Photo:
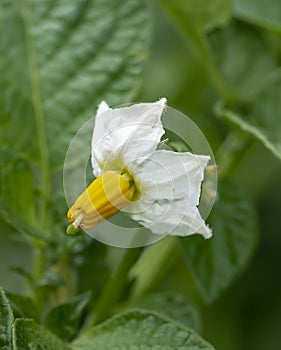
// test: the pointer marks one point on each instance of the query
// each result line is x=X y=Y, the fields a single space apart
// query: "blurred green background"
x=248 y=314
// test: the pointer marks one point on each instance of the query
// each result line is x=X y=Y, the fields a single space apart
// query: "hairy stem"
x=45 y=183
x=199 y=46
x=116 y=285
x=232 y=152
x=157 y=260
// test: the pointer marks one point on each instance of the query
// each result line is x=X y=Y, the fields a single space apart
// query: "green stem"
x=67 y=290
x=116 y=285
x=231 y=153
x=45 y=182
x=157 y=260
x=199 y=46
x=39 y=116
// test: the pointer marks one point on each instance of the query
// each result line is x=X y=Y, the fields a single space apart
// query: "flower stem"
x=157 y=260
x=232 y=152
x=199 y=46
x=62 y=269
x=116 y=285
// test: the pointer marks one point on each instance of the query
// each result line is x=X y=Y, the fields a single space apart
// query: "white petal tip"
x=103 y=106
x=207 y=233
x=203 y=159
x=162 y=101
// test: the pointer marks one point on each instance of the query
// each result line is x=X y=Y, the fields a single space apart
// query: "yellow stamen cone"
x=104 y=197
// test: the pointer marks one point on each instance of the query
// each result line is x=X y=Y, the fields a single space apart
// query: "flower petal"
x=170 y=186
x=124 y=134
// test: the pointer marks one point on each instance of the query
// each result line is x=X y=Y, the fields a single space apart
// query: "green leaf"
x=265 y=13
x=72 y=56
x=23 y=306
x=6 y=320
x=244 y=58
x=18 y=223
x=58 y=61
x=261 y=119
x=139 y=329
x=17 y=130
x=174 y=306
x=64 y=319
x=17 y=185
x=216 y=262
x=17 y=193
x=28 y=335
x=202 y=15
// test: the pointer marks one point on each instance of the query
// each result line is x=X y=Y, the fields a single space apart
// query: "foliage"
x=217 y=262
x=220 y=62
x=138 y=329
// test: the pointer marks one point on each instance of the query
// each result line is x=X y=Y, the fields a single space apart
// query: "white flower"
x=160 y=189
